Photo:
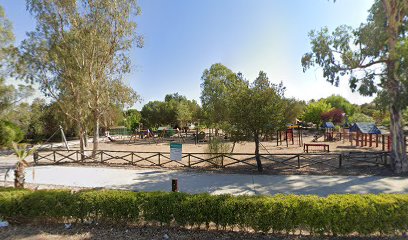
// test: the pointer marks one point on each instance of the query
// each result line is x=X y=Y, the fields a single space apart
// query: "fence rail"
x=280 y=161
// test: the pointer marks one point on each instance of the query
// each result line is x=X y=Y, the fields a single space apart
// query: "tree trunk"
x=96 y=135
x=86 y=138
x=19 y=175
x=398 y=150
x=81 y=144
x=393 y=86
x=233 y=146
x=257 y=156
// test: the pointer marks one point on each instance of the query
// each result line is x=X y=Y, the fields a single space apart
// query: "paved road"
x=214 y=183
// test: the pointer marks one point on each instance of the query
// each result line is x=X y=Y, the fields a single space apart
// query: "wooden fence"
x=316 y=161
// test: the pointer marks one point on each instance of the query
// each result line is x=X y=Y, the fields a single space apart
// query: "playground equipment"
x=289 y=136
x=165 y=132
x=63 y=138
x=329 y=131
x=118 y=132
x=362 y=133
x=145 y=134
x=368 y=134
x=161 y=134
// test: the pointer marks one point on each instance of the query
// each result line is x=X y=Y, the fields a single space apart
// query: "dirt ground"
x=85 y=232
x=163 y=145
x=323 y=164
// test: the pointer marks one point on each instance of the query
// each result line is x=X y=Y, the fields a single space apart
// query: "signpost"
x=176 y=152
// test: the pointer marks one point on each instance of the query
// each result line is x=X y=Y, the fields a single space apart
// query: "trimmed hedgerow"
x=335 y=214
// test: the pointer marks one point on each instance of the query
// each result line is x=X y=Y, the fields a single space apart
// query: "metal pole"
x=63 y=138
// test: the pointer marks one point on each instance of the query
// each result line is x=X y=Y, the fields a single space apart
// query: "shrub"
x=214 y=148
x=335 y=214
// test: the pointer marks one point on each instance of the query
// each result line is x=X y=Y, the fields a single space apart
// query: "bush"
x=335 y=214
x=9 y=133
x=215 y=147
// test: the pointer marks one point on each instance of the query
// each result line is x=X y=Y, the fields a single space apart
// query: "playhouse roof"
x=366 y=128
x=328 y=125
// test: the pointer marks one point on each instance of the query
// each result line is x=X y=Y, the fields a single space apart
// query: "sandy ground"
x=158 y=145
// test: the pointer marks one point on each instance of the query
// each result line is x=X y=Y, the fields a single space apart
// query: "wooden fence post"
x=159 y=159
x=131 y=158
x=35 y=157
x=54 y=156
x=189 y=162
x=376 y=140
x=383 y=142
x=298 y=159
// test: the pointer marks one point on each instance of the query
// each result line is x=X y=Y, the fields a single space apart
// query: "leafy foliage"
x=133 y=118
x=9 y=133
x=215 y=147
x=175 y=110
x=78 y=54
x=216 y=84
x=314 y=110
x=339 y=102
x=22 y=151
x=373 y=58
x=333 y=215
x=335 y=115
x=360 y=117
x=293 y=109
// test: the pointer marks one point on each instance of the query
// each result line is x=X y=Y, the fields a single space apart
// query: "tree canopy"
x=314 y=110
x=372 y=57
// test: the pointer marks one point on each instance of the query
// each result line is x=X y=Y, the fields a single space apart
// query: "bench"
x=314 y=145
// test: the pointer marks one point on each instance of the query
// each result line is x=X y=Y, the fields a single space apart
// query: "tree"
x=339 y=102
x=254 y=109
x=78 y=55
x=175 y=110
x=335 y=115
x=175 y=96
x=293 y=109
x=22 y=152
x=36 y=125
x=9 y=94
x=9 y=133
x=360 y=117
x=215 y=86
x=132 y=119
x=314 y=110
x=369 y=56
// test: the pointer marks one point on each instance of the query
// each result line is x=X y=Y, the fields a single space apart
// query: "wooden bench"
x=307 y=145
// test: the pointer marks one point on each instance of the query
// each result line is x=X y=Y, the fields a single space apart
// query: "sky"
x=185 y=37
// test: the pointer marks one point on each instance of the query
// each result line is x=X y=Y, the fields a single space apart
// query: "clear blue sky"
x=184 y=37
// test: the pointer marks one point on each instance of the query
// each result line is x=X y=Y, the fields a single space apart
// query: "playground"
x=359 y=150
x=293 y=140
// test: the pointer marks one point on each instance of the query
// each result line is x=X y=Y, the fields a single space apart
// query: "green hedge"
x=335 y=214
